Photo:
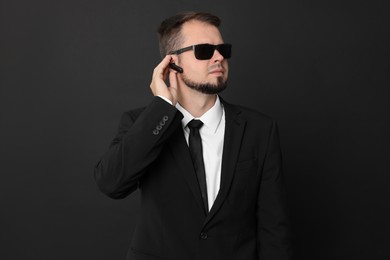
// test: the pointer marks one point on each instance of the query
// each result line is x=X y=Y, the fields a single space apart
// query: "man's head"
x=208 y=73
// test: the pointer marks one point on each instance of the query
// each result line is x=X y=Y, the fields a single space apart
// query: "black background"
x=70 y=68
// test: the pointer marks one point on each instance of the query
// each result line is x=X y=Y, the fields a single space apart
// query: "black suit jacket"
x=247 y=220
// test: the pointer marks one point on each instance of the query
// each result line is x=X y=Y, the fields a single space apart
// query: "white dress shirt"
x=212 y=133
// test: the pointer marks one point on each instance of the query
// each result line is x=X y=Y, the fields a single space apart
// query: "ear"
x=175 y=59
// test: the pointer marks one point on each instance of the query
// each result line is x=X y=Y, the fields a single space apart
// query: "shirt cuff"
x=170 y=102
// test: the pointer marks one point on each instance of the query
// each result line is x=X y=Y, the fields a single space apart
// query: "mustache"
x=215 y=66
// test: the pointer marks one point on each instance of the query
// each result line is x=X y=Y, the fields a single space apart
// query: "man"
x=211 y=188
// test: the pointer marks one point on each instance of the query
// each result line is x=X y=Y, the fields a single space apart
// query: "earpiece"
x=175 y=67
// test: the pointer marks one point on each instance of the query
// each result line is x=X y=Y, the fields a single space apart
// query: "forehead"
x=196 y=32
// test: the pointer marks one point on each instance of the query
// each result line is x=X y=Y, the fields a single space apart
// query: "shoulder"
x=251 y=113
x=248 y=114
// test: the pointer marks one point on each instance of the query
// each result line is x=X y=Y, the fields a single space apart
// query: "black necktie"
x=195 y=145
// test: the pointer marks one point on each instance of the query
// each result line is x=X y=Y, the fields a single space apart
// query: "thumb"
x=173 y=85
x=173 y=79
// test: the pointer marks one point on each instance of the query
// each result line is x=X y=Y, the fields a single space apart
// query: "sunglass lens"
x=204 y=51
x=225 y=50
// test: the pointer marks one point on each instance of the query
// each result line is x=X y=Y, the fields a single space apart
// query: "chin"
x=214 y=87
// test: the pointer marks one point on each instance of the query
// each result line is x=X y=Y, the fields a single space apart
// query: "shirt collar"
x=211 y=119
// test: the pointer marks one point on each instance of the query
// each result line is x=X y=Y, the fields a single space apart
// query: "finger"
x=173 y=88
x=173 y=79
x=161 y=68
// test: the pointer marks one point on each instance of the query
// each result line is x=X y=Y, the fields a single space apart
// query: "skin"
x=200 y=71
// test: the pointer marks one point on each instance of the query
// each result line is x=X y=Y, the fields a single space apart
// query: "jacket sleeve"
x=273 y=224
x=137 y=144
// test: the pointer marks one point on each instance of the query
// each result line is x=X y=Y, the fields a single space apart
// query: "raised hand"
x=158 y=85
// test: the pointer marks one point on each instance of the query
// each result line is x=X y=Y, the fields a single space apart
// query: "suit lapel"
x=234 y=130
x=181 y=154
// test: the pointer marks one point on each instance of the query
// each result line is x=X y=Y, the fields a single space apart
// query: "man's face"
x=207 y=76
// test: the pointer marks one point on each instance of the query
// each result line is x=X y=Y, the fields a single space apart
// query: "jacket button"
x=156 y=132
x=203 y=236
x=165 y=118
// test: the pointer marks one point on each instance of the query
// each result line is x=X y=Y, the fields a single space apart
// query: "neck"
x=197 y=103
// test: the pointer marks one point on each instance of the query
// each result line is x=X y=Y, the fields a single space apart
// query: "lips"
x=216 y=71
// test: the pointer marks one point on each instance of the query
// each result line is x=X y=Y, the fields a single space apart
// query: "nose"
x=217 y=57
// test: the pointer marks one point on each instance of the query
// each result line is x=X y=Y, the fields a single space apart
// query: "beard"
x=206 y=88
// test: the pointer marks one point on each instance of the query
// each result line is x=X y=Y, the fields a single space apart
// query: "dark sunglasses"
x=206 y=51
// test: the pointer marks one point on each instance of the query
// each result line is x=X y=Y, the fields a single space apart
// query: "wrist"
x=166 y=99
